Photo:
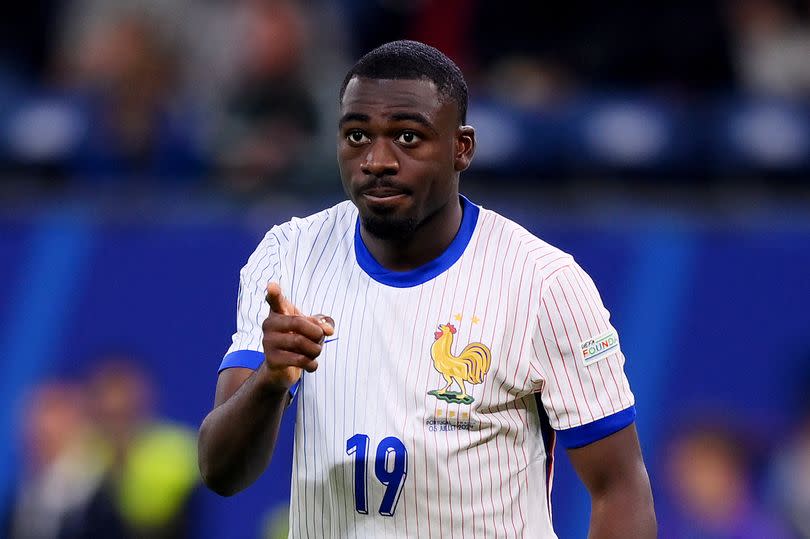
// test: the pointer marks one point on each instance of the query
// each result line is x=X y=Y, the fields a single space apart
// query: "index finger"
x=278 y=303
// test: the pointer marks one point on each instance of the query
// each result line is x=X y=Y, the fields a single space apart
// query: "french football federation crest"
x=471 y=365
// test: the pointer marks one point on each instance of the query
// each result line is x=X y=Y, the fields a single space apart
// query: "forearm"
x=623 y=510
x=237 y=438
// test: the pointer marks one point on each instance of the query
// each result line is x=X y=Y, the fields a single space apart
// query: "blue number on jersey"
x=390 y=467
x=358 y=444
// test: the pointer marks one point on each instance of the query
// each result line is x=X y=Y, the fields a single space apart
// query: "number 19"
x=390 y=467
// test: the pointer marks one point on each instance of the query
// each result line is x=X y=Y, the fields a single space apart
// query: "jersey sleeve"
x=578 y=365
x=263 y=266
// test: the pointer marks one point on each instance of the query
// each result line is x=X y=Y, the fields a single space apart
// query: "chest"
x=448 y=351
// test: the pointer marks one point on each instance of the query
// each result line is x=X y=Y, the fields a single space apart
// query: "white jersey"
x=437 y=403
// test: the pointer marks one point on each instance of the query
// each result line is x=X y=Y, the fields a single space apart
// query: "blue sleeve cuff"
x=601 y=428
x=249 y=359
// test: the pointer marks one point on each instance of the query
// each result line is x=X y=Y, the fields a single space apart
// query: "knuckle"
x=270 y=324
x=302 y=361
x=303 y=326
x=310 y=365
x=281 y=360
x=272 y=360
x=303 y=343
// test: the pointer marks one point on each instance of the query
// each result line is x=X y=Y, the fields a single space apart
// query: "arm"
x=614 y=474
x=238 y=436
x=577 y=342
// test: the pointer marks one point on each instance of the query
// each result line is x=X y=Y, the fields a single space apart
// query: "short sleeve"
x=578 y=363
x=263 y=266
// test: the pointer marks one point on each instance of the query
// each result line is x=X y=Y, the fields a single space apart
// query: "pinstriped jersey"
x=438 y=402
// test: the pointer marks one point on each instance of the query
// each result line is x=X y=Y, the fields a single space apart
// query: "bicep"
x=611 y=460
x=229 y=381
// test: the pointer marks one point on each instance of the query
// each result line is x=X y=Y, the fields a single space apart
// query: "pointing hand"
x=292 y=342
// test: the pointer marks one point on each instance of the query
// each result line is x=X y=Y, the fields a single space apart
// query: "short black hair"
x=410 y=60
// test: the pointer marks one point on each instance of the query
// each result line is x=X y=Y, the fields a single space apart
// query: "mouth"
x=383 y=197
x=383 y=193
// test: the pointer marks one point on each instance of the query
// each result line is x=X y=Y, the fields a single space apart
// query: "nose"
x=380 y=160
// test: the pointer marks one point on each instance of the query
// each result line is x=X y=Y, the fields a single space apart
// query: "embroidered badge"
x=471 y=365
x=599 y=347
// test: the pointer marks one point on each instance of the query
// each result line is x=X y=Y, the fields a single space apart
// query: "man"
x=464 y=346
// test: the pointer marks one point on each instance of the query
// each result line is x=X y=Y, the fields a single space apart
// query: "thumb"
x=327 y=323
x=278 y=303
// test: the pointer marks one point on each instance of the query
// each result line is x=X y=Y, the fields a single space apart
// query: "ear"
x=465 y=147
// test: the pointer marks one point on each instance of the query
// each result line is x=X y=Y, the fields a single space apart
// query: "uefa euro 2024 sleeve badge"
x=471 y=365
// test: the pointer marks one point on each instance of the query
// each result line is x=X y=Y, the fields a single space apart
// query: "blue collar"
x=425 y=272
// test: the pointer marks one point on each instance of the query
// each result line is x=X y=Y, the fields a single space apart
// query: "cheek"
x=342 y=154
x=342 y=167
x=347 y=163
x=438 y=187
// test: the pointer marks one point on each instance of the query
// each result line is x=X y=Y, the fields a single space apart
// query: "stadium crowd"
x=238 y=96
x=97 y=462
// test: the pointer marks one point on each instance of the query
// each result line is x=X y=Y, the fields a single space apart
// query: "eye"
x=408 y=138
x=356 y=137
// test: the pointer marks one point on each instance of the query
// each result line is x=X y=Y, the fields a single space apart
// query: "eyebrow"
x=413 y=117
x=353 y=117
x=397 y=117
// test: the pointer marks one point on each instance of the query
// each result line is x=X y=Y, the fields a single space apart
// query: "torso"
x=457 y=464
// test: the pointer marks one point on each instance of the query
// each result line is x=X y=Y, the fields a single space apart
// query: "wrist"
x=273 y=384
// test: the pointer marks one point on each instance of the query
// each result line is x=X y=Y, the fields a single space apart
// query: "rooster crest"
x=471 y=365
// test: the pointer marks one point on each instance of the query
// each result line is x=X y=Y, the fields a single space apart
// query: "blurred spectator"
x=276 y=522
x=62 y=494
x=444 y=24
x=674 y=46
x=771 y=48
x=154 y=464
x=370 y=23
x=270 y=116
x=789 y=477
x=138 y=127
x=100 y=464
x=527 y=82
x=710 y=475
x=791 y=480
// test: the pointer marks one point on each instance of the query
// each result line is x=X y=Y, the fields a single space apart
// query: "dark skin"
x=237 y=437
x=401 y=148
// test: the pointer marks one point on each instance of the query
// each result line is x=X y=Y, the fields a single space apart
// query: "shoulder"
x=545 y=259
x=301 y=233
x=340 y=217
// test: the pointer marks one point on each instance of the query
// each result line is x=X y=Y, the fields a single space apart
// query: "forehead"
x=381 y=96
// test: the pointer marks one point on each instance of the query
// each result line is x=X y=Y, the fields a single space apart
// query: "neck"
x=430 y=240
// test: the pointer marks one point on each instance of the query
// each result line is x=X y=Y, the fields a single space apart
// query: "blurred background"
x=147 y=145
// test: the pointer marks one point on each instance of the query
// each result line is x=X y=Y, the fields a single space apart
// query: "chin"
x=389 y=227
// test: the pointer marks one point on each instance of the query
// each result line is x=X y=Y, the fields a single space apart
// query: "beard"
x=388 y=227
